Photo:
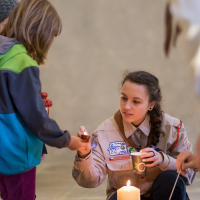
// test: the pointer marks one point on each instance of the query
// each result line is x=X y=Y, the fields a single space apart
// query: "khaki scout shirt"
x=105 y=159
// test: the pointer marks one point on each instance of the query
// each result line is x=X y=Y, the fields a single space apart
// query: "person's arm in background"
x=187 y=160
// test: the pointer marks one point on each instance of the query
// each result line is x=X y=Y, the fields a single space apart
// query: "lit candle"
x=85 y=133
x=128 y=193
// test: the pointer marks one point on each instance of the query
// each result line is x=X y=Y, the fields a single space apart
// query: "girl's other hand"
x=150 y=155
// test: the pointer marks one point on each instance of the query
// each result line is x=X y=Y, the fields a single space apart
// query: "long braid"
x=156 y=122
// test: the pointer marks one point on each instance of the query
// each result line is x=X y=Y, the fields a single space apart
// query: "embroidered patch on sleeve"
x=93 y=144
x=117 y=148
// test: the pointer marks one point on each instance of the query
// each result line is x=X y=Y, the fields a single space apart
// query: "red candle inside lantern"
x=85 y=137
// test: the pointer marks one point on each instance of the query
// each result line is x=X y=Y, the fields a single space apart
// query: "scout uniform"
x=111 y=144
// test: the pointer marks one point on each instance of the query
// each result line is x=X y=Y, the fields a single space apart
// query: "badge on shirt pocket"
x=131 y=150
x=117 y=148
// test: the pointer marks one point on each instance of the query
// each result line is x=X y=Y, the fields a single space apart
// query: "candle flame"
x=85 y=133
x=128 y=183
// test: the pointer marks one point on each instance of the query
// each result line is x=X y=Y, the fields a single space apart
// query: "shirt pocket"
x=119 y=179
x=118 y=163
x=117 y=157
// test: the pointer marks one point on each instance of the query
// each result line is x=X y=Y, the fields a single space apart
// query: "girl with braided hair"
x=139 y=125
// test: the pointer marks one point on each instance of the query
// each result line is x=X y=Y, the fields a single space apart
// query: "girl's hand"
x=150 y=155
x=85 y=151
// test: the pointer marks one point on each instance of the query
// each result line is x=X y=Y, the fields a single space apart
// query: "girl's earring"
x=150 y=109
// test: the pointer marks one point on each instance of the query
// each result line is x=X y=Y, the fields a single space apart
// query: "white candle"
x=128 y=193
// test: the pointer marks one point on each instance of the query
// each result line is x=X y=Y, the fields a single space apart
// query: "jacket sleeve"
x=91 y=171
x=169 y=161
x=25 y=92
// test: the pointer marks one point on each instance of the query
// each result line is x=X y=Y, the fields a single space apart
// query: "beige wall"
x=101 y=39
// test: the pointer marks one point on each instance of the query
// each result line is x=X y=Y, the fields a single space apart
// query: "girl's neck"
x=136 y=125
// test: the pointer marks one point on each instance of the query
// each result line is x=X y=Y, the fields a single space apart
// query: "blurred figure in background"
x=183 y=17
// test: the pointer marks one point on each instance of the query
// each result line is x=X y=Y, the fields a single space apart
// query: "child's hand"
x=43 y=156
x=78 y=144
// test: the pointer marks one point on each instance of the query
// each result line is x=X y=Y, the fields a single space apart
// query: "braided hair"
x=153 y=89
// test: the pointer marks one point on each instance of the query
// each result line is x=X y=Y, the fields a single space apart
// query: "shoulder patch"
x=93 y=144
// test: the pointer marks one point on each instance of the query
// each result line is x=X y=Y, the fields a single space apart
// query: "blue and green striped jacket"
x=24 y=122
